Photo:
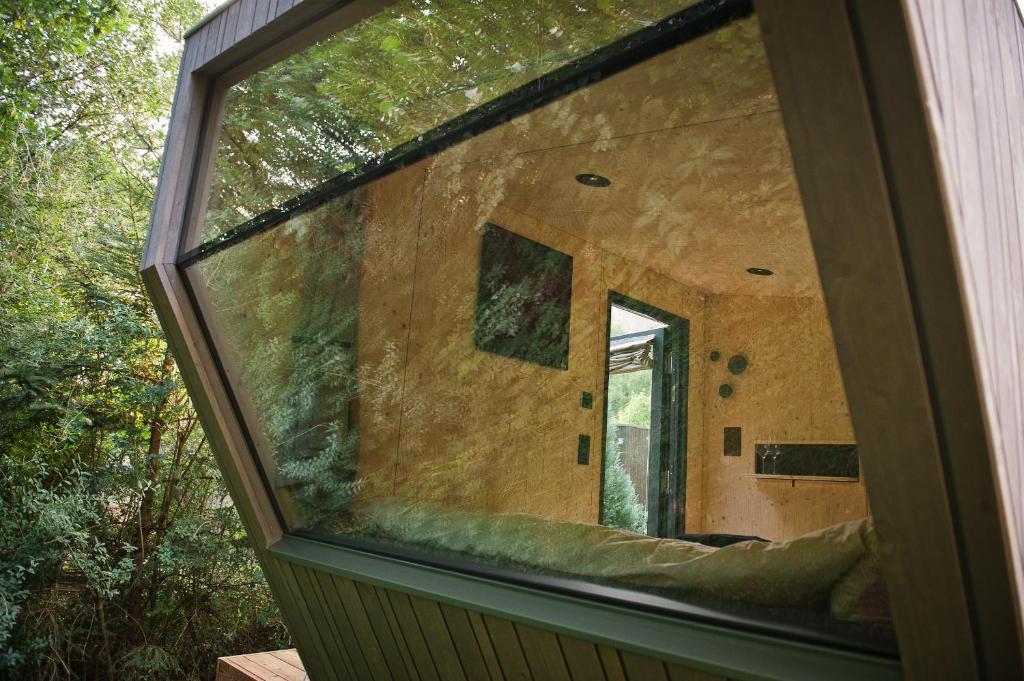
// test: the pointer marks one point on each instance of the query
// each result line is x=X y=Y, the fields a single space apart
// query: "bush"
x=620 y=506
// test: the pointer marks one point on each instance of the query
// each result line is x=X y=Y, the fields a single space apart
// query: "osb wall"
x=442 y=422
x=791 y=392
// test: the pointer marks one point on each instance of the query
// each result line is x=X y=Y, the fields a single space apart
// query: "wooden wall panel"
x=791 y=392
x=972 y=69
x=469 y=648
x=611 y=663
x=390 y=227
x=413 y=635
x=319 y=587
x=443 y=422
x=439 y=640
x=543 y=653
x=640 y=667
x=506 y=646
x=382 y=634
x=374 y=598
x=490 y=656
x=581 y=658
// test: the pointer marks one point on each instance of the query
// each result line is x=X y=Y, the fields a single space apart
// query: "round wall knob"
x=737 y=364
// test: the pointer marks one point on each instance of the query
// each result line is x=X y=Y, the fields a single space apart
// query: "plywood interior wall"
x=466 y=428
x=702 y=189
x=444 y=423
x=791 y=392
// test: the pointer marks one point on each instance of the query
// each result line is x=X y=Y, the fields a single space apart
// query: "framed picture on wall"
x=523 y=299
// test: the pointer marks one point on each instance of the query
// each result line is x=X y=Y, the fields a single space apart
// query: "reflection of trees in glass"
x=380 y=83
x=285 y=305
x=523 y=299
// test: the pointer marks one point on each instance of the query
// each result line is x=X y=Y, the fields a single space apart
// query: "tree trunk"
x=136 y=592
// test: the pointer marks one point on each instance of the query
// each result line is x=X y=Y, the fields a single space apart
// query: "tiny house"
x=669 y=339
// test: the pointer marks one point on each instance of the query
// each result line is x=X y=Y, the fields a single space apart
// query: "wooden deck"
x=278 y=665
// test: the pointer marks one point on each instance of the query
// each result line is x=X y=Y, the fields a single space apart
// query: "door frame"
x=666 y=482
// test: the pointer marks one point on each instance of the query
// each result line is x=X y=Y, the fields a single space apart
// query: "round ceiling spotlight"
x=760 y=271
x=592 y=180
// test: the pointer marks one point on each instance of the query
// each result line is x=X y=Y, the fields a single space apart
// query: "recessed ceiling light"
x=592 y=180
x=760 y=271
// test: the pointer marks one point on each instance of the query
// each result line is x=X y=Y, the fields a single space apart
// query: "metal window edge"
x=737 y=654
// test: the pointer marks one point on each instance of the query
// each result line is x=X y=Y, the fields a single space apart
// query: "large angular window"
x=530 y=292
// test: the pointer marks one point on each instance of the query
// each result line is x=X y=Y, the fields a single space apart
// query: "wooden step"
x=277 y=665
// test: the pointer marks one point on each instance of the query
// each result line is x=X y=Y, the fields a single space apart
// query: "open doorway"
x=643 y=477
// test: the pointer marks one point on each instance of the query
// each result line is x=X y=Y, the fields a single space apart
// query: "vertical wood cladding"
x=972 y=67
x=355 y=631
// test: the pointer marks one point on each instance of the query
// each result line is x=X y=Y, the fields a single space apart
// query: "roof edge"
x=208 y=18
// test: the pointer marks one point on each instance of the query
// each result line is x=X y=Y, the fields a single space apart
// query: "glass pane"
x=387 y=80
x=626 y=321
x=445 y=360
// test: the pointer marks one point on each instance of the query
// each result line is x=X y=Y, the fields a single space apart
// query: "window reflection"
x=483 y=355
x=383 y=82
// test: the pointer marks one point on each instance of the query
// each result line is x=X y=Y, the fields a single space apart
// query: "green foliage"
x=620 y=506
x=637 y=410
x=43 y=43
x=118 y=555
x=629 y=398
x=629 y=403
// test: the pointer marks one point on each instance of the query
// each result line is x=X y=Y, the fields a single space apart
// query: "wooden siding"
x=959 y=545
x=368 y=632
x=579 y=661
x=972 y=64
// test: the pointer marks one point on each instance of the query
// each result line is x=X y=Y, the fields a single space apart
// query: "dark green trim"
x=666 y=490
x=738 y=654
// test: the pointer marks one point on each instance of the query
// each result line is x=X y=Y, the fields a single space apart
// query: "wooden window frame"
x=848 y=81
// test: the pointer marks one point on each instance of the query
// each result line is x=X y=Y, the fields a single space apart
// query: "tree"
x=620 y=506
x=119 y=553
x=629 y=402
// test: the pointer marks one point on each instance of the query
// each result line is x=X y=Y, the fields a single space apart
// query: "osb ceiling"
x=693 y=143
